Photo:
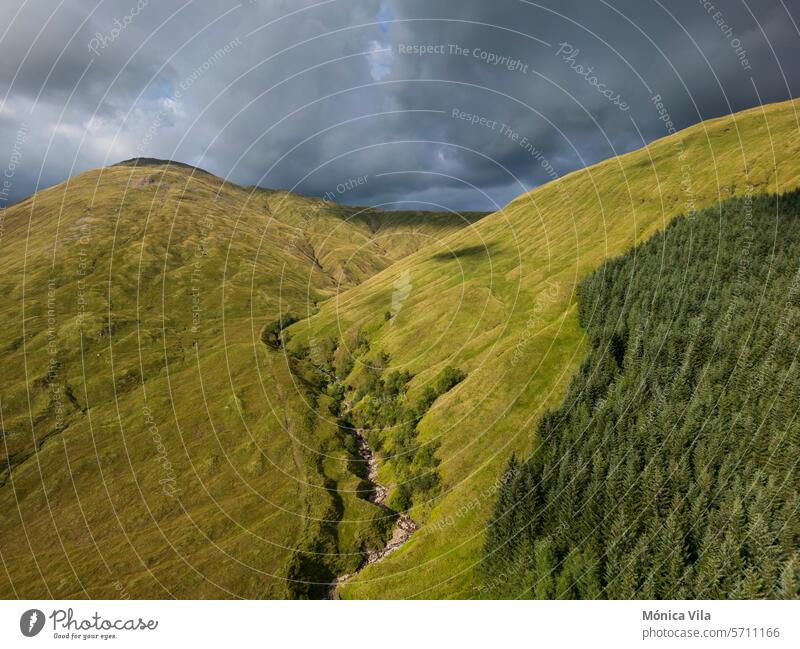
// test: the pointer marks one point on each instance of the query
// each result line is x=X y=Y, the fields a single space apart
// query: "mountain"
x=153 y=445
x=497 y=301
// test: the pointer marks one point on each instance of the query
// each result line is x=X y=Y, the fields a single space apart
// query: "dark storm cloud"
x=306 y=95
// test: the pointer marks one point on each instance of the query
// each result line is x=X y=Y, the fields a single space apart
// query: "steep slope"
x=670 y=469
x=498 y=301
x=153 y=445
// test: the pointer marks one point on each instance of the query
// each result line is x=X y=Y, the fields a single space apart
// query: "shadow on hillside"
x=463 y=253
x=376 y=219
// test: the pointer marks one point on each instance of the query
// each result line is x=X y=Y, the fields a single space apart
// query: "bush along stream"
x=377 y=422
x=375 y=412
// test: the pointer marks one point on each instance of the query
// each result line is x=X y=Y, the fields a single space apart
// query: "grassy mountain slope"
x=497 y=300
x=153 y=446
x=349 y=244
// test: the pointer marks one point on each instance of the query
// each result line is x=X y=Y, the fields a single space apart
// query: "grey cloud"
x=246 y=114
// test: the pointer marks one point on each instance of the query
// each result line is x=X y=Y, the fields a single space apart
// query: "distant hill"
x=156 y=162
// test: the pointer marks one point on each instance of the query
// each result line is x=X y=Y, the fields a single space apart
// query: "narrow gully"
x=404 y=526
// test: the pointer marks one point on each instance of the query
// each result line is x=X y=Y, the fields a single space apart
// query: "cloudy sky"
x=461 y=104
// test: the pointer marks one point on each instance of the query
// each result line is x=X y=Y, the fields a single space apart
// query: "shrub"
x=448 y=378
x=271 y=333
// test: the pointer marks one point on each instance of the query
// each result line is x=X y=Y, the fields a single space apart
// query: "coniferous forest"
x=670 y=470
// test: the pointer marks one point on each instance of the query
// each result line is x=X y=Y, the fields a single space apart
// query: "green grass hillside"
x=153 y=446
x=498 y=301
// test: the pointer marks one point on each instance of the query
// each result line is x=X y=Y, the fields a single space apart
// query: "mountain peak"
x=157 y=162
